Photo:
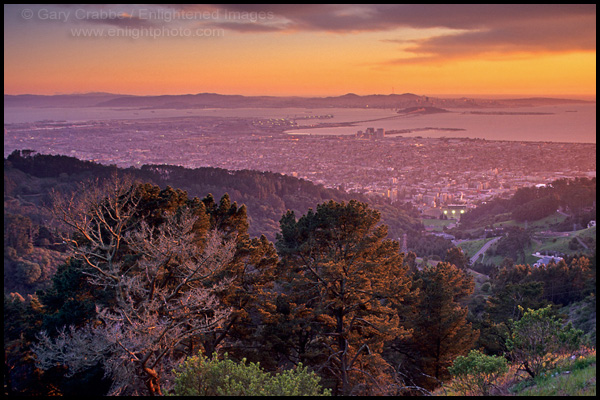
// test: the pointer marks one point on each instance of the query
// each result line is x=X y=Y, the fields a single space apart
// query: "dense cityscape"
x=300 y=200
x=428 y=172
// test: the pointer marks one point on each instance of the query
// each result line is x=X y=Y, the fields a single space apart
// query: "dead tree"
x=158 y=275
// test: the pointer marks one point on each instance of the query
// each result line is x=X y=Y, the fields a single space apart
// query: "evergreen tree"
x=342 y=281
x=441 y=331
x=455 y=256
x=564 y=284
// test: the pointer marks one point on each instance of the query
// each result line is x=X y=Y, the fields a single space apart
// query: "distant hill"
x=266 y=195
x=576 y=196
x=214 y=100
x=62 y=100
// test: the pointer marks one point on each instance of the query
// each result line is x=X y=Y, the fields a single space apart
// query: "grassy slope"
x=571 y=378
x=470 y=247
x=577 y=383
x=574 y=379
x=542 y=244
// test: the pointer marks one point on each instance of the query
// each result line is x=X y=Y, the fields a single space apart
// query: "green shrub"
x=476 y=373
x=28 y=272
x=486 y=287
x=539 y=338
x=199 y=376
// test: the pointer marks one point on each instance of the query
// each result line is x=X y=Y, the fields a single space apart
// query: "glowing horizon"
x=301 y=50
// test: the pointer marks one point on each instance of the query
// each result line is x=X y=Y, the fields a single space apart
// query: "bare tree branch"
x=162 y=296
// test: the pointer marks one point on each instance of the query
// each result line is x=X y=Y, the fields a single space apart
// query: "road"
x=483 y=249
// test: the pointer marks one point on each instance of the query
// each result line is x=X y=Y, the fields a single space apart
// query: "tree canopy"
x=343 y=281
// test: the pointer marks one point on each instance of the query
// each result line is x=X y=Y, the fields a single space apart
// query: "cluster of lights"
x=454 y=211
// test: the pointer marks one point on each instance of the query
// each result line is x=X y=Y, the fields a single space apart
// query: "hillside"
x=576 y=198
x=572 y=377
x=581 y=382
x=215 y=100
x=266 y=195
x=42 y=291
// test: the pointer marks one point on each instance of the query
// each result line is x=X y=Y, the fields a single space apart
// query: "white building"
x=545 y=260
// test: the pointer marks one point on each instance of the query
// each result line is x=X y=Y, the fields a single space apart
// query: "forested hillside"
x=267 y=195
x=121 y=282
x=576 y=196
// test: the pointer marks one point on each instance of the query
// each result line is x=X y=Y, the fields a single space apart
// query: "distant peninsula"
x=403 y=102
x=422 y=110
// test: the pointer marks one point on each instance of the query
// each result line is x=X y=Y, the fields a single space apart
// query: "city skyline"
x=303 y=50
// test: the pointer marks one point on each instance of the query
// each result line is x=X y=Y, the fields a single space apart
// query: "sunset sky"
x=304 y=50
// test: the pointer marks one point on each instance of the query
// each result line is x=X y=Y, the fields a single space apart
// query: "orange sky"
x=301 y=50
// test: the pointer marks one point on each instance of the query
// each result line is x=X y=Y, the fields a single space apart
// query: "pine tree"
x=441 y=331
x=342 y=281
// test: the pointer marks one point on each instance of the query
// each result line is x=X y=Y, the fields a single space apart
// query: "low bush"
x=538 y=338
x=476 y=373
x=200 y=376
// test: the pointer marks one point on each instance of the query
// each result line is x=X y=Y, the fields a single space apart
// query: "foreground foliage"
x=154 y=270
x=574 y=376
x=200 y=376
x=477 y=373
x=343 y=285
x=538 y=338
x=335 y=295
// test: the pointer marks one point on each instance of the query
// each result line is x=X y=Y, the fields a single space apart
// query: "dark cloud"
x=353 y=17
x=481 y=28
x=476 y=29
x=534 y=37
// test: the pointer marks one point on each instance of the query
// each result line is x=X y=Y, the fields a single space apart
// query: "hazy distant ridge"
x=214 y=100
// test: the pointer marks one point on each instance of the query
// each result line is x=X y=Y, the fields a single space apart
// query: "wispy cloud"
x=509 y=38
x=476 y=29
